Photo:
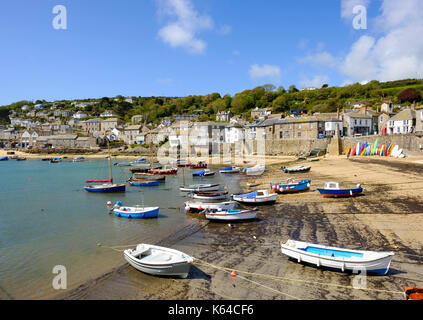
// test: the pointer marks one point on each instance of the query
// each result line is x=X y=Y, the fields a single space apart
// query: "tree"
x=269 y=88
x=292 y=89
x=325 y=85
x=409 y=95
x=281 y=90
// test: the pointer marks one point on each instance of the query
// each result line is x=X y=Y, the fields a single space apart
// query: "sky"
x=79 y=49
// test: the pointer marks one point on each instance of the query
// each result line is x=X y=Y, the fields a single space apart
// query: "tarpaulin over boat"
x=199 y=173
x=94 y=181
x=227 y=168
x=248 y=195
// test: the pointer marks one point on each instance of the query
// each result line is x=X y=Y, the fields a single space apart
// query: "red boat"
x=163 y=171
x=199 y=165
x=413 y=293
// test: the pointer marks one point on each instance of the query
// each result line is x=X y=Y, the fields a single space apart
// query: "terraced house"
x=291 y=128
x=403 y=122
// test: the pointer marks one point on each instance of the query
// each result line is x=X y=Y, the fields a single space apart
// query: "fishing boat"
x=291 y=186
x=79 y=159
x=203 y=173
x=182 y=163
x=295 y=169
x=140 y=160
x=231 y=214
x=199 y=165
x=256 y=197
x=122 y=164
x=413 y=293
x=137 y=212
x=20 y=159
x=56 y=160
x=332 y=190
x=208 y=196
x=105 y=185
x=159 y=261
x=191 y=206
x=144 y=183
x=200 y=187
x=255 y=171
x=4 y=158
x=338 y=258
x=46 y=159
x=230 y=170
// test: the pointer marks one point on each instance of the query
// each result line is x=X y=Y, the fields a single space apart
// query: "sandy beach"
x=388 y=217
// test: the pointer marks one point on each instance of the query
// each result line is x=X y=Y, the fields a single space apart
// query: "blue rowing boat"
x=106 y=188
x=332 y=190
x=144 y=183
x=136 y=212
x=291 y=186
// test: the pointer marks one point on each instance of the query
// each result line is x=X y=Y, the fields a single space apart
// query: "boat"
x=291 y=186
x=151 y=178
x=56 y=160
x=159 y=261
x=46 y=159
x=140 y=160
x=210 y=195
x=338 y=258
x=4 y=158
x=122 y=164
x=332 y=190
x=137 y=212
x=182 y=163
x=203 y=173
x=230 y=170
x=79 y=159
x=20 y=159
x=256 y=170
x=295 y=169
x=106 y=185
x=256 y=197
x=144 y=183
x=191 y=206
x=200 y=187
x=253 y=184
x=231 y=214
x=413 y=293
x=142 y=165
x=164 y=171
x=199 y=165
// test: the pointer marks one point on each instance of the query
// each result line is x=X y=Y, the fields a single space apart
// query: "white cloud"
x=317 y=81
x=321 y=58
x=183 y=30
x=269 y=72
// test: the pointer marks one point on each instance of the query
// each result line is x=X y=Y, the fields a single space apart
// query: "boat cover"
x=248 y=195
x=227 y=168
x=199 y=173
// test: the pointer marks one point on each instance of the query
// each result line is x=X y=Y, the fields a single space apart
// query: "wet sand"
x=388 y=217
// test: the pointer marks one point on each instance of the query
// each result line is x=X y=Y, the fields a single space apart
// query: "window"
x=355 y=122
x=290 y=126
x=299 y=126
x=280 y=135
x=299 y=134
x=311 y=125
x=286 y=134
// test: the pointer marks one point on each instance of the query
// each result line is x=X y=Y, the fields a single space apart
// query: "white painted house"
x=403 y=122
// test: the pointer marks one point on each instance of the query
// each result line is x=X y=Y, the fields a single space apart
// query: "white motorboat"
x=160 y=261
x=230 y=170
x=256 y=197
x=200 y=206
x=209 y=195
x=255 y=171
x=231 y=214
x=200 y=187
x=338 y=258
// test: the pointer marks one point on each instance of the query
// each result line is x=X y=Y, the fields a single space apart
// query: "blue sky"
x=188 y=47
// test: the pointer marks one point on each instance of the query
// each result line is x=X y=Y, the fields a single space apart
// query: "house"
x=309 y=127
x=260 y=113
x=358 y=104
x=137 y=119
x=234 y=133
x=332 y=122
x=403 y=122
x=91 y=125
x=419 y=120
x=39 y=106
x=108 y=113
x=251 y=129
x=309 y=89
x=356 y=123
x=29 y=138
x=110 y=123
x=80 y=115
x=25 y=107
x=130 y=134
x=383 y=122
x=224 y=116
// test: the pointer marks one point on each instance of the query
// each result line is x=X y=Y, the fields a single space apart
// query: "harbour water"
x=48 y=219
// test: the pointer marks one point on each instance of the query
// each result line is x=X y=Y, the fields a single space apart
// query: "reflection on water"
x=47 y=219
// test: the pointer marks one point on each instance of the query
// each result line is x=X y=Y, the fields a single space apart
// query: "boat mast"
x=110 y=161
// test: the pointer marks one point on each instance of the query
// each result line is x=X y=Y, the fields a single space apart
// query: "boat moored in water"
x=209 y=195
x=144 y=183
x=338 y=258
x=136 y=212
x=159 y=261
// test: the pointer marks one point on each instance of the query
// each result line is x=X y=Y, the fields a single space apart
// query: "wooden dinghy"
x=159 y=261
x=413 y=293
x=218 y=195
x=231 y=215
x=256 y=197
x=191 y=206
x=338 y=258
x=296 y=169
x=332 y=190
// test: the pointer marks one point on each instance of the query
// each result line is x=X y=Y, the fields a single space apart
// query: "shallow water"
x=48 y=219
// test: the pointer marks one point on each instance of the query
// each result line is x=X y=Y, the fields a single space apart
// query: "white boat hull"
x=374 y=262
x=211 y=206
x=225 y=216
x=257 y=200
x=211 y=188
